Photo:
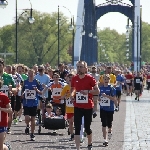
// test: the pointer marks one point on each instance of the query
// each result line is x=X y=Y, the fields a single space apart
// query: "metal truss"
x=114 y=2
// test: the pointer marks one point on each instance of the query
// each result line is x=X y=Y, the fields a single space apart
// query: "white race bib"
x=0 y=116
x=148 y=80
x=80 y=98
x=69 y=103
x=128 y=81
x=104 y=101
x=118 y=84
x=138 y=80
x=4 y=89
x=56 y=92
x=30 y=94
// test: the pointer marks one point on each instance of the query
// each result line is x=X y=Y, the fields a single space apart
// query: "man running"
x=138 y=81
x=83 y=86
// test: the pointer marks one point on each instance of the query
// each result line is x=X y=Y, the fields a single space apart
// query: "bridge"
x=86 y=45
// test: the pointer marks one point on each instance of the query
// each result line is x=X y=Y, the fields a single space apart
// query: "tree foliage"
x=38 y=42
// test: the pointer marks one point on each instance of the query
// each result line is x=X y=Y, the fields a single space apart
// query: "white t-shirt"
x=49 y=115
x=96 y=76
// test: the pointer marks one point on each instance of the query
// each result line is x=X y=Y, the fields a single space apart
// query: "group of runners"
x=70 y=93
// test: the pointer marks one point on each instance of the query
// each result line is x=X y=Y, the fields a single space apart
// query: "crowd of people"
x=67 y=93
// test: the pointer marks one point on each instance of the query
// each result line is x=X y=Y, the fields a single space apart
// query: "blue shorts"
x=3 y=129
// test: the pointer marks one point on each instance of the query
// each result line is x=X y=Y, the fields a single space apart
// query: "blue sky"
x=115 y=21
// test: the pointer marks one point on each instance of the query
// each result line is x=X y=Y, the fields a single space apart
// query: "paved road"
x=45 y=141
x=137 y=124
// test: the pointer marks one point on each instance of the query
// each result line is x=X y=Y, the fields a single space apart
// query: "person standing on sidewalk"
x=83 y=87
x=107 y=101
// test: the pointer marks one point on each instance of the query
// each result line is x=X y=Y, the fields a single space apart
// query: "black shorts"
x=148 y=85
x=16 y=103
x=106 y=118
x=137 y=88
x=30 y=111
x=118 y=93
x=129 y=84
x=78 y=114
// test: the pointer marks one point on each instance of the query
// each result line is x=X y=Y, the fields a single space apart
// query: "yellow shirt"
x=112 y=79
x=66 y=91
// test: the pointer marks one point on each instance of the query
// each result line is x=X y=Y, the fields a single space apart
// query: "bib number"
x=30 y=94
x=138 y=80
x=148 y=80
x=80 y=98
x=69 y=103
x=128 y=81
x=104 y=101
x=4 y=89
x=56 y=92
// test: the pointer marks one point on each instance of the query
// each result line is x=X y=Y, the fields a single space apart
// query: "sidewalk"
x=137 y=123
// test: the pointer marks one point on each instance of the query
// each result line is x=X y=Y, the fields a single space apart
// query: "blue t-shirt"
x=120 y=79
x=44 y=79
x=108 y=91
x=27 y=86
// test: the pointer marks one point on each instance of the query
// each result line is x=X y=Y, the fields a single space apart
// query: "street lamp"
x=3 y=4
x=31 y=20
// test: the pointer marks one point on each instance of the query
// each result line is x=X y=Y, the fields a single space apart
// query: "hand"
x=43 y=86
x=35 y=88
x=116 y=109
x=72 y=99
x=104 y=95
x=84 y=92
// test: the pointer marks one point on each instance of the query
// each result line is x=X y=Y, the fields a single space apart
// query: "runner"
x=138 y=81
x=95 y=97
x=44 y=80
x=118 y=86
x=31 y=89
x=8 y=84
x=83 y=86
x=129 y=79
x=148 y=81
x=69 y=105
x=5 y=108
x=107 y=101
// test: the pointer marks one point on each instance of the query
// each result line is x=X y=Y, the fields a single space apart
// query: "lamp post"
x=31 y=20
x=3 y=3
x=58 y=35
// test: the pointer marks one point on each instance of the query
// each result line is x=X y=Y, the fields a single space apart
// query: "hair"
x=56 y=74
x=31 y=70
x=8 y=66
x=20 y=65
x=61 y=64
x=106 y=75
x=49 y=105
x=84 y=63
x=60 y=110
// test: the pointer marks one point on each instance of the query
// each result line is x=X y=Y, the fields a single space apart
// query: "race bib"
x=104 y=101
x=56 y=92
x=148 y=80
x=30 y=94
x=0 y=116
x=69 y=103
x=80 y=98
x=118 y=84
x=128 y=81
x=4 y=89
x=138 y=81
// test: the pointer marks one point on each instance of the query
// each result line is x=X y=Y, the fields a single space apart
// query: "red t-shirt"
x=86 y=83
x=4 y=100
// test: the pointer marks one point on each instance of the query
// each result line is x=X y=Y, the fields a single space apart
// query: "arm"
x=7 y=109
x=95 y=90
